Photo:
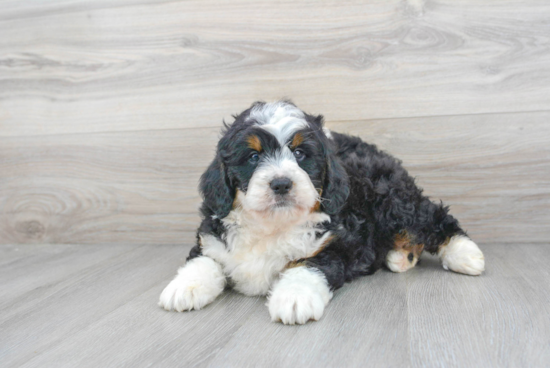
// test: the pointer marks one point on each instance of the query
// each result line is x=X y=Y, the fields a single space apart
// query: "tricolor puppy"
x=293 y=211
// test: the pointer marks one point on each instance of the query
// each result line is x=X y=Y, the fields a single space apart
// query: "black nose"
x=281 y=185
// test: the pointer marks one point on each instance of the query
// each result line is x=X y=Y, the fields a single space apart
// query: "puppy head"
x=275 y=161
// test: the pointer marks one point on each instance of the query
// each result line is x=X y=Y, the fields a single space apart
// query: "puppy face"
x=274 y=161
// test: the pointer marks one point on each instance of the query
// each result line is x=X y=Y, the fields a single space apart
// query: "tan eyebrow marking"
x=254 y=143
x=297 y=140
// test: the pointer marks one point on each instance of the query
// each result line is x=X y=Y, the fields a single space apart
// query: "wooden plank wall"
x=110 y=109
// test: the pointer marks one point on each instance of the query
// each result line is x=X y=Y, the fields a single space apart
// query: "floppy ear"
x=215 y=189
x=336 y=187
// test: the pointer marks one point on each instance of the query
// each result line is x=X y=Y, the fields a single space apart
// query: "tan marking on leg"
x=302 y=262
x=397 y=259
x=293 y=264
x=417 y=250
x=323 y=246
x=316 y=207
x=402 y=240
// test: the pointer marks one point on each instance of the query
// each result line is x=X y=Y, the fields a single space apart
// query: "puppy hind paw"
x=400 y=261
x=462 y=255
x=197 y=284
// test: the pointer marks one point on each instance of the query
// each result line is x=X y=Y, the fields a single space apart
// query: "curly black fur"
x=368 y=194
x=384 y=201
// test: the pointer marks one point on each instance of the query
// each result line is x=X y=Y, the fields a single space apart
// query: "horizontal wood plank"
x=141 y=187
x=493 y=170
x=106 y=315
x=85 y=66
x=123 y=187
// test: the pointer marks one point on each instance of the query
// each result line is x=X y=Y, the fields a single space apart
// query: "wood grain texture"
x=110 y=110
x=141 y=187
x=138 y=187
x=94 y=66
x=493 y=170
x=103 y=313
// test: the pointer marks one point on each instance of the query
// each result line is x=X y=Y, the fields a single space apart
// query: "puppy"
x=293 y=211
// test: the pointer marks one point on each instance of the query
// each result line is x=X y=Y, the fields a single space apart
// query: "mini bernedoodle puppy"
x=293 y=211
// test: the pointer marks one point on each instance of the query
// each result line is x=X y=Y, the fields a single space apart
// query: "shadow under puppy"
x=293 y=210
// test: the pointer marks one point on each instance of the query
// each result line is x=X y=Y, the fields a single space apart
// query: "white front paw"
x=197 y=284
x=301 y=295
x=462 y=255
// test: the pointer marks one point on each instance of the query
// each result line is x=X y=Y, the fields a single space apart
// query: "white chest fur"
x=255 y=253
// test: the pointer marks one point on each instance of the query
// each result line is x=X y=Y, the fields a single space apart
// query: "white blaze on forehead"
x=279 y=158
x=280 y=119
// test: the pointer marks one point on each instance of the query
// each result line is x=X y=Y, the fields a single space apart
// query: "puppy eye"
x=254 y=157
x=299 y=154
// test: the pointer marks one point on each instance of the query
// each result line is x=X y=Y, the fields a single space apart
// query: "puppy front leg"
x=300 y=295
x=197 y=284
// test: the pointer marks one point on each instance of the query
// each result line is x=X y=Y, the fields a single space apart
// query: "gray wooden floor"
x=110 y=110
x=95 y=306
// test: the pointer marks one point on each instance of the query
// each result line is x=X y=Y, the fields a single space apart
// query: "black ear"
x=216 y=190
x=336 y=186
x=316 y=120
